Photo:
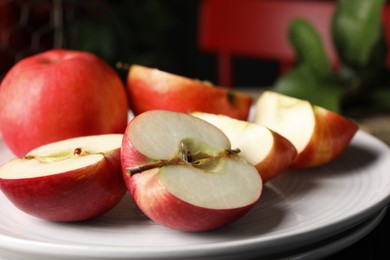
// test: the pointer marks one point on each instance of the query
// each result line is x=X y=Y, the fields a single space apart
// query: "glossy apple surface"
x=267 y=150
x=318 y=134
x=151 y=89
x=69 y=180
x=183 y=174
x=60 y=94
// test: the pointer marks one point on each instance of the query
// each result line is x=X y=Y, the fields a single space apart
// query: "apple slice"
x=151 y=89
x=267 y=150
x=183 y=174
x=70 y=180
x=318 y=134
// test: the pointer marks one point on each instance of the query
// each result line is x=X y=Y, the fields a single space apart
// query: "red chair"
x=258 y=28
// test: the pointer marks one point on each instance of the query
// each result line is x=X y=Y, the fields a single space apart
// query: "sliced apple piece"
x=151 y=89
x=183 y=174
x=318 y=134
x=70 y=180
x=267 y=150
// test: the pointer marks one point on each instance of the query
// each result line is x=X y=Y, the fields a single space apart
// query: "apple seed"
x=63 y=155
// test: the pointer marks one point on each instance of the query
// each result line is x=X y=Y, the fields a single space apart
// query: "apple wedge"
x=183 y=174
x=71 y=180
x=318 y=134
x=151 y=89
x=267 y=150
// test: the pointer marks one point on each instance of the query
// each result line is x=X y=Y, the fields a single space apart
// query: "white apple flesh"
x=318 y=134
x=183 y=174
x=267 y=150
x=70 y=180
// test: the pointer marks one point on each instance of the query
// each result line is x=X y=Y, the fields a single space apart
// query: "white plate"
x=298 y=208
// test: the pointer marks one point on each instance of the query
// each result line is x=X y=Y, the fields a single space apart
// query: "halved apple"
x=151 y=89
x=267 y=150
x=318 y=134
x=70 y=180
x=183 y=174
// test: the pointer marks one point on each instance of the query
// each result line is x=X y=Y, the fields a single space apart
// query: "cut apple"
x=151 y=89
x=70 y=180
x=267 y=150
x=183 y=174
x=318 y=134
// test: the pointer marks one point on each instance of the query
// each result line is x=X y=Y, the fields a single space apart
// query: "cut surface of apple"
x=182 y=172
x=153 y=89
x=267 y=150
x=318 y=134
x=70 y=180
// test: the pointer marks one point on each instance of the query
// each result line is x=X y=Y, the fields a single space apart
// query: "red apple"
x=151 y=89
x=57 y=95
x=183 y=174
x=318 y=134
x=69 y=180
x=267 y=150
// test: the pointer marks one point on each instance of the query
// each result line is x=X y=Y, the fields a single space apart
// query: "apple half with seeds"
x=71 y=180
x=153 y=89
x=267 y=150
x=182 y=172
x=318 y=134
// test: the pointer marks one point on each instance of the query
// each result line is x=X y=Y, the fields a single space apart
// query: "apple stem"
x=138 y=169
x=204 y=161
x=185 y=158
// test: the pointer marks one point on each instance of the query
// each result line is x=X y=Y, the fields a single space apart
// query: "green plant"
x=361 y=81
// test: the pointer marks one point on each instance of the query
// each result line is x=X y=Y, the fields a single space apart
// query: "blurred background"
x=165 y=34
x=336 y=56
x=155 y=33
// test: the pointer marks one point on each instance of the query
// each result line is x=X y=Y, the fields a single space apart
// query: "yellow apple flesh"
x=267 y=150
x=318 y=134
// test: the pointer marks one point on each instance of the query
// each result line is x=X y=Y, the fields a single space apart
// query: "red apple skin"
x=332 y=134
x=60 y=94
x=164 y=208
x=76 y=195
x=151 y=89
x=130 y=156
x=280 y=158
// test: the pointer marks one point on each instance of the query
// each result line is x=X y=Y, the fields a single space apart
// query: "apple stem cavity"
x=58 y=156
x=198 y=159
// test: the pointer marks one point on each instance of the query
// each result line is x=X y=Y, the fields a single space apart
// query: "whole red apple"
x=57 y=95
